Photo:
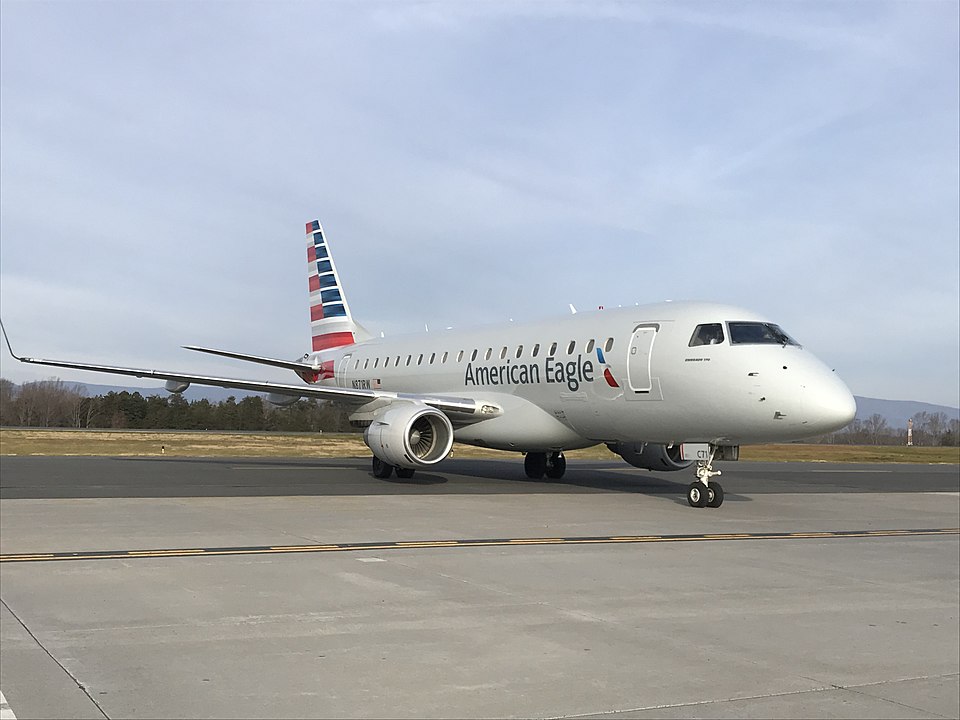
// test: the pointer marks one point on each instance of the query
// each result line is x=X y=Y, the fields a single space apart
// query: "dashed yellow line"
x=491 y=542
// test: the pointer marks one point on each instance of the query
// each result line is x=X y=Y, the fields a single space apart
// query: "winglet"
x=7 y=340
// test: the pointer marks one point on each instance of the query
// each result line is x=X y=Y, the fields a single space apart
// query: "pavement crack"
x=49 y=654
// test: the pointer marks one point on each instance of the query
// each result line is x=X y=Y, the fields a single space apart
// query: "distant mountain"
x=897 y=412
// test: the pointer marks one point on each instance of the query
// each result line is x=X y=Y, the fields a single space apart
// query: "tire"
x=381 y=469
x=716 y=499
x=405 y=473
x=556 y=467
x=535 y=465
x=696 y=495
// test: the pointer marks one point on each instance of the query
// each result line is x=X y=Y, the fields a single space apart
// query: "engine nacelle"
x=410 y=436
x=650 y=456
x=282 y=400
x=175 y=386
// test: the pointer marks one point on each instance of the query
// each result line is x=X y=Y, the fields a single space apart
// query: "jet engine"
x=650 y=456
x=410 y=436
x=281 y=400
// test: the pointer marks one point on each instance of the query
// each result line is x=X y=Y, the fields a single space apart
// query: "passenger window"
x=473 y=357
x=420 y=359
x=503 y=354
x=433 y=356
x=589 y=347
x=444 y=358
x=571 y=347
x=376 y=363
x=519 y=351
x=366 y=363
x=460 y=356
x=609 y=345
x=409 y=358
x=536 y=350
x=397 y=363
x=488 y=354
x=356 y=363
x=553 y=349
x=711 y=334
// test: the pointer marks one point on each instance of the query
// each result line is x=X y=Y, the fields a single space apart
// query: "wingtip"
x=7 y=341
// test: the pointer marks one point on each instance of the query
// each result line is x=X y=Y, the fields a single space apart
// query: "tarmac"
x=181 y=587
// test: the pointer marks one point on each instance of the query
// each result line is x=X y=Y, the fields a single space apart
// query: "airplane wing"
x=287 y=364
x=462 y=409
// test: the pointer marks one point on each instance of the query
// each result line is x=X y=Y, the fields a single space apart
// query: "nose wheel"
x=703 y=492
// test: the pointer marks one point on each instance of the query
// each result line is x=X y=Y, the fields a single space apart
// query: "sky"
x=478 y=162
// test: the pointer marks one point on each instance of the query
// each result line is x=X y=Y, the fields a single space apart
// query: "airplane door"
x=638 y=358
x=341 y=374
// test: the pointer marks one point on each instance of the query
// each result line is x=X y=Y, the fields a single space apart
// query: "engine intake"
x=650 y=456
x=410 y=436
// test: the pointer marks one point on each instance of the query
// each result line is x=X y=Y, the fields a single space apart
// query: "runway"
x=307 y=588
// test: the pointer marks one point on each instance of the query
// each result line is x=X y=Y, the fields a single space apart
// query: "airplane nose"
x=833 y=405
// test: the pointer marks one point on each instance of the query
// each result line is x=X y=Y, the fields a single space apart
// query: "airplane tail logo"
x=331 y=324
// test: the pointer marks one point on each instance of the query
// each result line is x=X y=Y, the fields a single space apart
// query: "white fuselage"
x=646 y=383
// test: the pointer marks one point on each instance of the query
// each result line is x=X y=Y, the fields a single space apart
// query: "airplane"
x=665 y=386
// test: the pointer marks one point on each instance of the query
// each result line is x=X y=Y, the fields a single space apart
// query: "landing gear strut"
x=702 y=492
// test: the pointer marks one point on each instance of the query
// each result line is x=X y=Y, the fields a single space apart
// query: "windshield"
x=758 y=333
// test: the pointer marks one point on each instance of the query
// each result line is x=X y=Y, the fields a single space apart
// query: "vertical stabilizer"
x=331 y=324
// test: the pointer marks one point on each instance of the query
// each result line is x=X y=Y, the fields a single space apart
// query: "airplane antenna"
x=573 y=310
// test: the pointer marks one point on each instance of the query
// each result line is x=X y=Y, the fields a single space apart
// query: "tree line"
x=54 y=403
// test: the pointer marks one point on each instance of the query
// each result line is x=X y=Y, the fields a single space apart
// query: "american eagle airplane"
x=664 y=386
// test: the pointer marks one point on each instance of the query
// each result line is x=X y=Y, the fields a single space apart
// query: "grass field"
x=222 y=444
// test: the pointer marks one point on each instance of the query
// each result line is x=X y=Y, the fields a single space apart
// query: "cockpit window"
x=758 y=333
x=707 y=335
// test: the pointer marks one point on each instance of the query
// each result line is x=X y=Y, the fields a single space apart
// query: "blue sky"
x=476 y=162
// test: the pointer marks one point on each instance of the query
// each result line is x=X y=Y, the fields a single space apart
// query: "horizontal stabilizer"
x=294 y=365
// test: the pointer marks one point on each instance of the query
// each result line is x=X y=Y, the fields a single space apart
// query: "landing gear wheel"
x=715 y=495
x=381 y=469
x=405 y=473
x=535 y=465
x=556 y=466
x=697 y=495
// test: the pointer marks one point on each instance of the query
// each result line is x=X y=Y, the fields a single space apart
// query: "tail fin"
x=331 y=323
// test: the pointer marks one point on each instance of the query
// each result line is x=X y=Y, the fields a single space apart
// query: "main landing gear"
x=536 y=465
x=384 y=470
x=702 y=492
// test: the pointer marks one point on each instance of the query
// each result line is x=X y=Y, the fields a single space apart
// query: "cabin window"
x=460 y=356
x=397 y=363
x=366 y=363
x=711 y=334
x=519 y=351
x=553 y=349
x=536 y=350
x=433 y=356
x=488 y=354
x=444 y=358
x=409 y=358
x=589 y=347
x=503 y=354
x=420 y=359
x=608 y=346
x=356 y=363
x=758 y=333
x=571 y=347
x=474 y=356
x=376 y=363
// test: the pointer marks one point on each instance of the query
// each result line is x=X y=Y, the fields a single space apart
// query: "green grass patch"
x=144 y=443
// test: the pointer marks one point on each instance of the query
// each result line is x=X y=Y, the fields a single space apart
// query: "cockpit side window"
x=711 y=334
x=758 y=333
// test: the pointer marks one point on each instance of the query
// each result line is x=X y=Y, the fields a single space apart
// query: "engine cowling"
x=650 y=456
x=410 y=436
x=282 y=400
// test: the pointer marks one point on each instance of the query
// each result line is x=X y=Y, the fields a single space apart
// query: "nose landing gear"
x=702 y=492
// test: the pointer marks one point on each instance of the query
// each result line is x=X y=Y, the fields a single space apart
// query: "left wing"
x=462 y=409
